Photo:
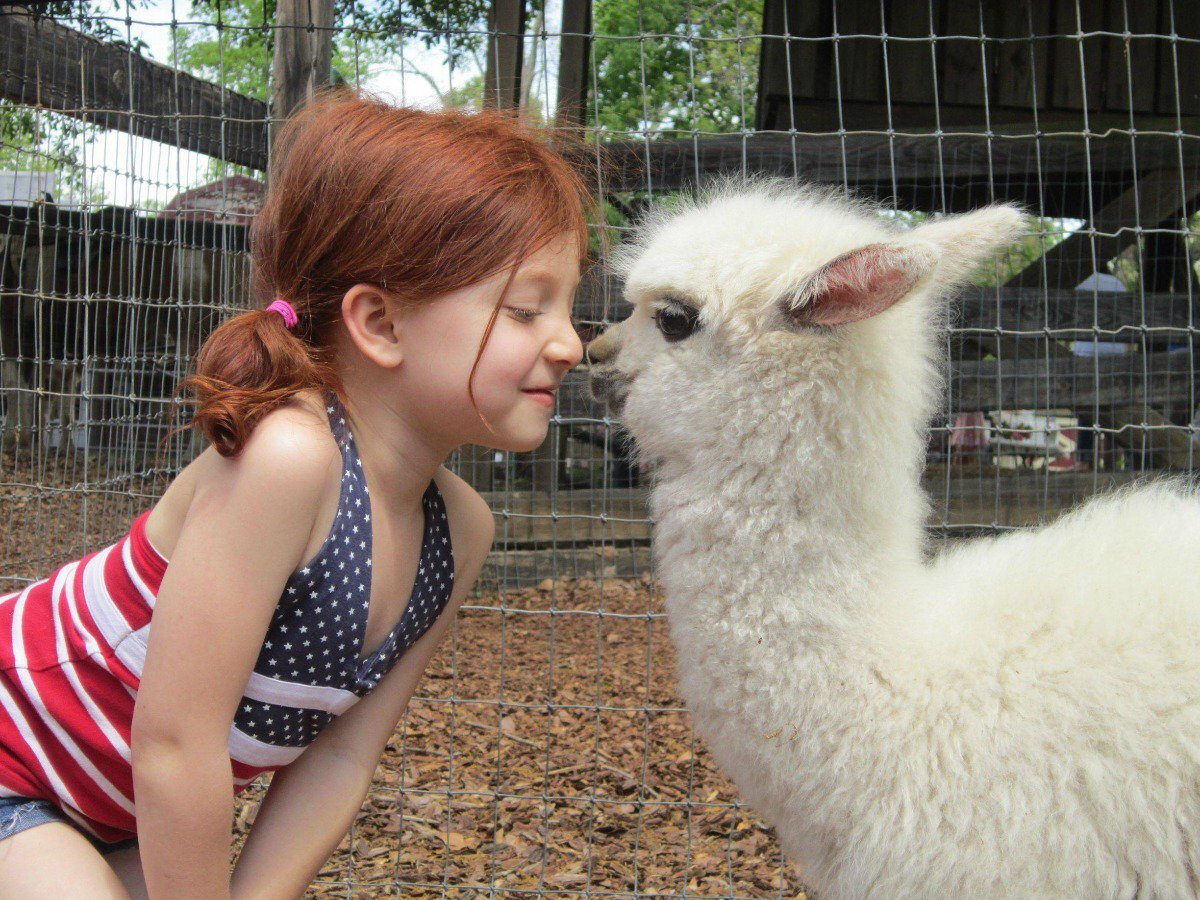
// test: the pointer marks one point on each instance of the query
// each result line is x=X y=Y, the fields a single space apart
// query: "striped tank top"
x=72 y=647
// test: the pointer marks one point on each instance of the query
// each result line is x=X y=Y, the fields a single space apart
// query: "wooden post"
x=573 y=63
x=1166 y=265
x=550 y=458
x=303 y=51
x=506 y=37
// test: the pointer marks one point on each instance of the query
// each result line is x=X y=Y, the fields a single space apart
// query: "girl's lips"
x=544 y=397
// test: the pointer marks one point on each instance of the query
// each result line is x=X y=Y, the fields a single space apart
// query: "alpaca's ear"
x=858 y=284
x=968 y=241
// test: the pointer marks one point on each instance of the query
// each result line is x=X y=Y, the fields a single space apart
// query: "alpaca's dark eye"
x=676 y=324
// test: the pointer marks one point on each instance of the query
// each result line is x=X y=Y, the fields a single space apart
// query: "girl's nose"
x=566 y=348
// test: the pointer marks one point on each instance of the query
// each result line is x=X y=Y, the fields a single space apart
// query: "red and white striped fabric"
x=72 y=648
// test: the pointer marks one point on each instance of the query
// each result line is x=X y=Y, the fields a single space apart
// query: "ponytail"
x=250 y=365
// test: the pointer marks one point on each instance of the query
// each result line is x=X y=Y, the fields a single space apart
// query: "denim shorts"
x=20 y=813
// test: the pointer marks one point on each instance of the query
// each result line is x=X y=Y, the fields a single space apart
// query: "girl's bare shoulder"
x=295 y=437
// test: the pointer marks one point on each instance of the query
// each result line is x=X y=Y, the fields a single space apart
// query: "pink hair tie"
x=286 y=310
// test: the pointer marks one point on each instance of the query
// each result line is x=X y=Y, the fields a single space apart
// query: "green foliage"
x=40 y=141
x=604 y=236
x=676 y=65
x=469 y=93
x=233 y=50
x=235 y=45
x=458 y=26
x=94 y=17
x=707 y=40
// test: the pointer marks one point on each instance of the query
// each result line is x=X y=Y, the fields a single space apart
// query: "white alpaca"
x=1015 y=717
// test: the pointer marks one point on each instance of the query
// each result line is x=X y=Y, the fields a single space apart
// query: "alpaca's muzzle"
x=604 y=381
x=608 y=388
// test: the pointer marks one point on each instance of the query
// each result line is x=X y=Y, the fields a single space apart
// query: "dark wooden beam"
x=1003 y=163
x=50 y=66
x=1155 y=198
x=303 y=51
x=1031 y=313
x=1166 y=260
x=923 y=119
x=1077 y=315
x=574 y=51
x=505 y=43
x=1072 y=382
x=868 y=65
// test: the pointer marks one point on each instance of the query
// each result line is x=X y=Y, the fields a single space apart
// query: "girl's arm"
x=245 y=531
x=312 y=802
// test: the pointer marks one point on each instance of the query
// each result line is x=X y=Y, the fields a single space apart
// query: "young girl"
x=275 y=609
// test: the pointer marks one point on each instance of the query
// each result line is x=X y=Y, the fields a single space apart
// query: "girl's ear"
x=373 y=324
x=858 y=284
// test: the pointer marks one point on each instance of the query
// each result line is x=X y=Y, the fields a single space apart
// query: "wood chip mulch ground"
x=546 y=754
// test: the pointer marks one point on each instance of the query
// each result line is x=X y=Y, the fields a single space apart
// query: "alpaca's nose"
x=603 y=348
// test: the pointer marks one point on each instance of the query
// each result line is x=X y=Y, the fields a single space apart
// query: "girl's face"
x=533 y=344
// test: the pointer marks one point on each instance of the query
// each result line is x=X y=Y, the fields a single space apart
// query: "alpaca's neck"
x=780 y=546
x=789 y=541
x=813 y=514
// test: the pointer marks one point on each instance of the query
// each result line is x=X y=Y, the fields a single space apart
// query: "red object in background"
x=968 y=434
x=233 y=201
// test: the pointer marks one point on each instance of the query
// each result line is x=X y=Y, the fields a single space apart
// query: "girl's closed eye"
x=524 y=314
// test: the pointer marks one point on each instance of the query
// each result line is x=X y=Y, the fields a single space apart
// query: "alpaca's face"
x=707 y=331
x=738 y=294
x=665 y=369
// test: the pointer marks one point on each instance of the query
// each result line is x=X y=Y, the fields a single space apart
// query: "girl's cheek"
x=510 y=357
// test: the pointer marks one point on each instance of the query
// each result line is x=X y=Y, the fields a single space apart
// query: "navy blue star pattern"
x=316 y=636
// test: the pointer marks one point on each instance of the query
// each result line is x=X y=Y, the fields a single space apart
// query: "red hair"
x=420 y=203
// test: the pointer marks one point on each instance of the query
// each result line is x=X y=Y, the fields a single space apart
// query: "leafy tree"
x=710 y=41
x=235 y=45
x=676 y=65
x=458 y=26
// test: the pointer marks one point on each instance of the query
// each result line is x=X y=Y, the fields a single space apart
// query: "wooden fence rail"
x=49 y=66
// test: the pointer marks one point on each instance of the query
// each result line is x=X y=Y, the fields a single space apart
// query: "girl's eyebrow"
x=539 y=275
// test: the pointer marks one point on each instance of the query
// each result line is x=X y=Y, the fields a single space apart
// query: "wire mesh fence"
x=546 y=752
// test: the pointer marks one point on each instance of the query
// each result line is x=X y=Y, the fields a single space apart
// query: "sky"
x=136 y=172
